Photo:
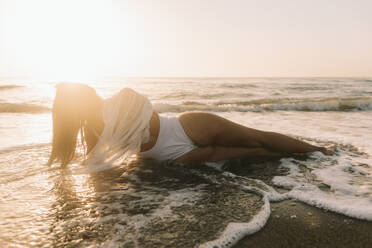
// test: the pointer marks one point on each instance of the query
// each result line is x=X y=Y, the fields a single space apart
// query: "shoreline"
x=295 y=224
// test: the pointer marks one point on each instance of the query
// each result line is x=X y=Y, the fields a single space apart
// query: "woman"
x=112 y=129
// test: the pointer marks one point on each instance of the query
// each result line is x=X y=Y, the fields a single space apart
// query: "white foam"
x=236 y=231
x=349 y=193
x=351 y=206
x=176 y=198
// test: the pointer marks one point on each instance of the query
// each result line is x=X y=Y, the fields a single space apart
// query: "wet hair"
x=77 y=109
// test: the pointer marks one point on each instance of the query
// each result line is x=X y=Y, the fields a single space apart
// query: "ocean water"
x=144 y=204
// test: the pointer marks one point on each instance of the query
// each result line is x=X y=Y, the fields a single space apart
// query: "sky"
x=82 y=39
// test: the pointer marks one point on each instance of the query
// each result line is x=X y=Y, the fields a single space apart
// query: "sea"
x=146 y=204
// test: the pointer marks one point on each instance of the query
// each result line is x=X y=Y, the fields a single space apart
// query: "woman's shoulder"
x=128 y=95
x=129 y=91
x=125 y=92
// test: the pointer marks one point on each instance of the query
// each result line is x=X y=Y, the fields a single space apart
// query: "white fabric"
x=126 y=117
x=172 y=141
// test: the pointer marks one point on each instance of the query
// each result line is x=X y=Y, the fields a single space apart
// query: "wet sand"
x=146 y=204
x=294 y=224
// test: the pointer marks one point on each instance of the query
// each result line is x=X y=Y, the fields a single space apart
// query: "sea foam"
x=348 y=191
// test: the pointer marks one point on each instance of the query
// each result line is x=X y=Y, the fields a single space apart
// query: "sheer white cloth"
x=126 y=118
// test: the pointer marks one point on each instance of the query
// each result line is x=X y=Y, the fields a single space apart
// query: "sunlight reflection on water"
x=56 y=207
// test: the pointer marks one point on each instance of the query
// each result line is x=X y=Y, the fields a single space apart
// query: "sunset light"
x=86 y=39
x=186 y=123
x=65 y=40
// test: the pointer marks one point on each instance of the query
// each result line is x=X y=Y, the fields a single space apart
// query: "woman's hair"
x=77 y=108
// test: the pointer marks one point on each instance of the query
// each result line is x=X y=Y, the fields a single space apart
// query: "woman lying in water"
x=126 y=124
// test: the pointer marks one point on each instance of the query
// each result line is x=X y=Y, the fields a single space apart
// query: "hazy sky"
x=76 y=39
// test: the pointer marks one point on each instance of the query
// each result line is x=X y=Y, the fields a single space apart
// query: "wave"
x=239 y=85
x=18 y=148
x=202 y=95
x=22 y=108
x=10 y=86
x=282 y=104
x=258 y=105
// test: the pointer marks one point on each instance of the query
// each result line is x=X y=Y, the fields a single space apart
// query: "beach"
x=86 y=85
x=312 y=201
x=294 y=224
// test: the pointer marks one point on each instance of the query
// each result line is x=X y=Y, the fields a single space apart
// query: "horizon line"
x=178 y=77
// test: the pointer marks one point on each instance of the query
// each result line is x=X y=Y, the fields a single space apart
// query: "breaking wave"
x=259 y=105
x=22 y=108
x=316 y=105
x=8 y=87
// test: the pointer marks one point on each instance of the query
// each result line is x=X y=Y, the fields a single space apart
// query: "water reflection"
x=67 y=201
x=145 y=204
x=78 y=207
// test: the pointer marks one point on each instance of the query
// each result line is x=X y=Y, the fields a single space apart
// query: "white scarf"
x=126 y=117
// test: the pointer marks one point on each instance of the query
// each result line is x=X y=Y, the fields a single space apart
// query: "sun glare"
x=66 y=40
x=80 y=40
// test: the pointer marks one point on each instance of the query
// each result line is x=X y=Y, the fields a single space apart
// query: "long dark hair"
x=77 y=108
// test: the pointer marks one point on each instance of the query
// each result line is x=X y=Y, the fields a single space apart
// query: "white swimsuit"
x=172 y=141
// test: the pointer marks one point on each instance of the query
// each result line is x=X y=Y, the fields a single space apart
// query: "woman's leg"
x=219 y=153
x=282 y=143
x=211 y=130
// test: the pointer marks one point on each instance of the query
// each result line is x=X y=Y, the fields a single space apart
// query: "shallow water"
x=145 y=204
